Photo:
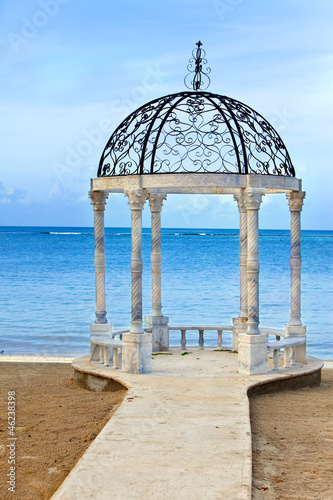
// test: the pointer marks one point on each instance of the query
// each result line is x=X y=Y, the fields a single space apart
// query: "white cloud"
x=81 y=69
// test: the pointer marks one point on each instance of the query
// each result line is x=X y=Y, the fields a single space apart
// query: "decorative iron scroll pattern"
x=195 y=132
x=200 y=80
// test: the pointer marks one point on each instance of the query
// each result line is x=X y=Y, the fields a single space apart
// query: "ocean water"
x=47 y=284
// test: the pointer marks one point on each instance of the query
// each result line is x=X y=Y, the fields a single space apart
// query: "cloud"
x=79 y=70
x=13 y=196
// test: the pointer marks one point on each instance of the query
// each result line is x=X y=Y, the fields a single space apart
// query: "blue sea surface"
x=47 y=290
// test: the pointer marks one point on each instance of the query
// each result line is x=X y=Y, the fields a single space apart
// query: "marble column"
x=252 y=346
x=253 y=200
x=157 y=322
x=136 y=200
x=240 y=323
x=101 y=325
x=295 y=326
x=136 y=357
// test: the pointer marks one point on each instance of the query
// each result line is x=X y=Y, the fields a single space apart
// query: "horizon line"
x=163 y=227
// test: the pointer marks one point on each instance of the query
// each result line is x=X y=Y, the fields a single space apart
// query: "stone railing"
x=106 y=347
x=277 y=332
x=288 y=344
x=201 y=329
x=112 y=344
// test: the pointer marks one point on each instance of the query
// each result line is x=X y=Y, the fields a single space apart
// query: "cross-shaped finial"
x=200 y=80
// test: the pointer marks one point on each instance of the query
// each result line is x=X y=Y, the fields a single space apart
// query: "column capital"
x=98 y=199
x=253 y=198
x=240 y=198
x=156 y=201
x=295 y=200
x=136 y=198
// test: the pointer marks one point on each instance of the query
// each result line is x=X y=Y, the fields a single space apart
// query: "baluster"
x=183 y=339
x=115 y=358
x=286 y=357
x=219 y=339
x=293 y=355
x=106 y=356
x=276 y=359
x=201 y=339
x=101 y=354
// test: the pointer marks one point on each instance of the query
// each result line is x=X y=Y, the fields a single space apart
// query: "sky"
x=72 y=70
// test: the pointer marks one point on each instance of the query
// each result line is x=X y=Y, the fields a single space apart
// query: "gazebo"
x=195 y=142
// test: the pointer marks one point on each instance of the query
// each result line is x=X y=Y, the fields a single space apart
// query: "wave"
x=188 y=234
x=261 y=235
x=199 y=234
x=117 y=234
x=59 y=232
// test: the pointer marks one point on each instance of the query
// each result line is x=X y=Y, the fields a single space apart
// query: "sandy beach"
x=56 y=421
x=292 y=436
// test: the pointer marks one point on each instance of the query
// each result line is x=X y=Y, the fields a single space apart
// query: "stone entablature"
x=197 y=183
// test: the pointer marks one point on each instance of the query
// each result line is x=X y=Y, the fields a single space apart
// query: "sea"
x=47 y=289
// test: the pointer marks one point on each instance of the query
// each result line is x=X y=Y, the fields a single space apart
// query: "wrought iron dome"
x=195 y=132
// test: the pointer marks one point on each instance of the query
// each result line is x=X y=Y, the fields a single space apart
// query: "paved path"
x=182 y=432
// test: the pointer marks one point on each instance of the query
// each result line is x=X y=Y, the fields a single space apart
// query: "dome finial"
x=201 y=80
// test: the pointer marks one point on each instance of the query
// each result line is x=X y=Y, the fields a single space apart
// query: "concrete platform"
x=182 y=432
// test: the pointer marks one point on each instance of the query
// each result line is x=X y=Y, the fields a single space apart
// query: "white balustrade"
x=289 y=345
x=105 y=342
x=201 y=330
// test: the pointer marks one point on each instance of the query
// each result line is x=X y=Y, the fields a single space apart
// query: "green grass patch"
x=161 y=354
x=225 y=350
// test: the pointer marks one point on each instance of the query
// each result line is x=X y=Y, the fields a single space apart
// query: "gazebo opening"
x=195 y=142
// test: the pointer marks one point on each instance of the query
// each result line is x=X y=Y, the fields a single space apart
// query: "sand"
x=56 y=421
x=292 y=439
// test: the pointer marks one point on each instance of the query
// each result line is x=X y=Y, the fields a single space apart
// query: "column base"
x=100 y=328
x=239 y=326
x=160 y=332
x=300 y=350
x=136 y=353
x=252 y=354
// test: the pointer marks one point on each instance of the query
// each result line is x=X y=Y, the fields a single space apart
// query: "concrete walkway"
x=182 y=432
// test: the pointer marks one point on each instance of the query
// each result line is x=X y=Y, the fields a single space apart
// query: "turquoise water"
x=47 y=284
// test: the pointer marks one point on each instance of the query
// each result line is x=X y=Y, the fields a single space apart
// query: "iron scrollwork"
x=195 y=131
x=200 y=80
